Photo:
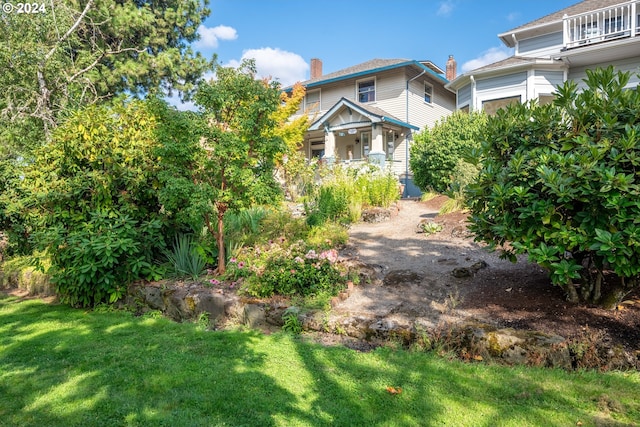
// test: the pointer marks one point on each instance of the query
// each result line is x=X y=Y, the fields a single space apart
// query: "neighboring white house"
x=553 y=49
x=369 y=111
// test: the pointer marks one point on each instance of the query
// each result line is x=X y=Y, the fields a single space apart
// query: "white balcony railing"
x=616 y=22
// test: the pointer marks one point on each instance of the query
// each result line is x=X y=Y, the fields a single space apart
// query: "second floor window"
x=367 y=91
x=428 y=93
x=312 y=101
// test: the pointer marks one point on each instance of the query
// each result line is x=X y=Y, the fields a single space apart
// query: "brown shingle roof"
x=576 y=9
x=508 y=62
x=360 y=68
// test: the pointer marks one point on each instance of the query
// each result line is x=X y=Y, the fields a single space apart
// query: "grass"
x=66 y=367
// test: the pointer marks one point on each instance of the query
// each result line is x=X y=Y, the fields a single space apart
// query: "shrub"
x=559 y=182
x=94 y=262
x=436 y=151
x=346 y=191
x=296 y=269
x=95 y=206
x=184 y=258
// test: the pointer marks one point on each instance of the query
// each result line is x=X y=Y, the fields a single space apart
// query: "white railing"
x=619 y=21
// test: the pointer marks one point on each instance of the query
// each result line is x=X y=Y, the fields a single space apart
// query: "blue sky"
x=283 y=35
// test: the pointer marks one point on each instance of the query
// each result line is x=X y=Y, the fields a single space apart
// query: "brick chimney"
x=452 y=68
x=316 y=68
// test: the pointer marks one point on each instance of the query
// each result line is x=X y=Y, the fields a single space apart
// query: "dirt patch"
x=418 y=283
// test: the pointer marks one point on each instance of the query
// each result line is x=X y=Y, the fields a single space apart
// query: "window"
x=389 y=139
x=367 y=91
x=493 y=105
x=312 y=102
x=428 y=93
x=544 y=99
x=365 y=138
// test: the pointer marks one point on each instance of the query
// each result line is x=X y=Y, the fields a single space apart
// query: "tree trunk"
x=572 y=293
x=222 y=257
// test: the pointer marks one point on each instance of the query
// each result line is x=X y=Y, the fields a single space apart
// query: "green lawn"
x=66 y=367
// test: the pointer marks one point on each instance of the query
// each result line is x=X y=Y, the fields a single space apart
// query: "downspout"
x=406 y=140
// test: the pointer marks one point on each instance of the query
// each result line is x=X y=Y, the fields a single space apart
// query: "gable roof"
x=512 y=63
x=374 y=66
x=556 y=17
x=375 y=114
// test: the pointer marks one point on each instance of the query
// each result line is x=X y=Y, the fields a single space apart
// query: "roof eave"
x=507 y=37
x=375 y=118
x=377 y=70
x=462 y=79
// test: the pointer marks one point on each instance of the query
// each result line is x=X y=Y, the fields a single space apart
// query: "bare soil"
x=416 y=283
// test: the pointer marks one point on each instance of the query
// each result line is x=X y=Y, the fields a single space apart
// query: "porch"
x=603 y=25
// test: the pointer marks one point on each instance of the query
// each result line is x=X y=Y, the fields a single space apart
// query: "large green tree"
x=69 y=54
x=227 y=153
x=73 y=53
x=560 y=183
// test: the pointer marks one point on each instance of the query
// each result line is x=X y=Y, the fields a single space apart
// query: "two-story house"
x=369 y=111
x=553 y=49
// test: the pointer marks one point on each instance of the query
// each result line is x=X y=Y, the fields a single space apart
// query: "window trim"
x=358 y=82
x=427 y=84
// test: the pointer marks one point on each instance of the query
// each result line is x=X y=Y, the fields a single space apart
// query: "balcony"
x=602 y=25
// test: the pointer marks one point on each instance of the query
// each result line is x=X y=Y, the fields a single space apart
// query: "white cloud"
x=285 y=67
x=209 y=37
x=445 y=9
x=513 y=16
x=487 y=57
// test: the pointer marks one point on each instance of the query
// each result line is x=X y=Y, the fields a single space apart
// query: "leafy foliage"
x=281 y=268
x=228 y=159
x=559 y=182
x=93 y=202
x=184 y=259
x=76 y=54
x=347 y=190
x=437 y=151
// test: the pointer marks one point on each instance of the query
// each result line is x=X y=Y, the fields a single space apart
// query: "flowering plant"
x=289 y=269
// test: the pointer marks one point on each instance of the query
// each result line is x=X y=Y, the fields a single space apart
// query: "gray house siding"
x=540 y=46
x=631 y=65
x=547 y=81
x=464 y=96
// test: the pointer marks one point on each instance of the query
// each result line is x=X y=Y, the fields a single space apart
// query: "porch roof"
x=374 y=114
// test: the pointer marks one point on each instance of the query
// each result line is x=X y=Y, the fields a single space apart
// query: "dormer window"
x=367 y=91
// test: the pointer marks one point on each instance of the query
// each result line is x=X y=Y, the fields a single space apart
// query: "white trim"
x=424 y=89
x=375 y=89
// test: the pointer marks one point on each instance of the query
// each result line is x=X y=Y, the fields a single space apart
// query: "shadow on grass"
x=436 y=392
x=64 y=367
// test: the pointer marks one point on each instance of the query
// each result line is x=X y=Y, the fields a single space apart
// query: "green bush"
x=93 y=202
x=279 y=268
x=94 y=262
x=436 y=151
x=345 y=192
x=184 y=258
x=560 y=183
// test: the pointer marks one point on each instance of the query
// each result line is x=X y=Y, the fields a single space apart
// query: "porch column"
x=377 y=154
x=329 y=147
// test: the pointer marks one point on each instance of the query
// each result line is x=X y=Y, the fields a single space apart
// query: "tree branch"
x=70 y=30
